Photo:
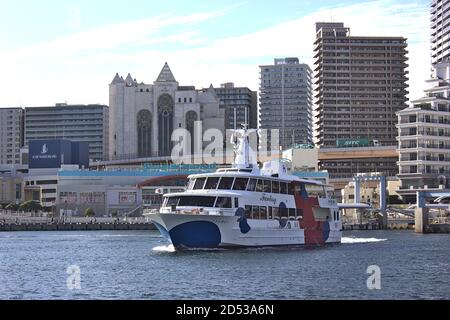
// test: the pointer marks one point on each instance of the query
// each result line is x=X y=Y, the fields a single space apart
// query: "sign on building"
x=349 y=143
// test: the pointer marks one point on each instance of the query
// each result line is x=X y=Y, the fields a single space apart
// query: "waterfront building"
x=122 y=192
x=82 y=123
x=303 y=159
x=360 y=84
x=11 y=135
x=424 y=137
x=11 y=184
x=38 y=178
x=424 y=127
x=440 y=31
x=240 y=104
x=345 y=162
x=143 y=116
x=286 y=102
x=40 y=186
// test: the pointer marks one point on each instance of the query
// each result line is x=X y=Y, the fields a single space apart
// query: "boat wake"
x=167 y=248
x=347 y=240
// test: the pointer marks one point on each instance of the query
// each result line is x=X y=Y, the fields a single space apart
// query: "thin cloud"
x=108 y=37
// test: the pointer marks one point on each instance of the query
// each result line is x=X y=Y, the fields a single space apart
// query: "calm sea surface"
x=140 y=265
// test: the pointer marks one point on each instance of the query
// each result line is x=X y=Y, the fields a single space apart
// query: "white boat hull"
x=209 y=231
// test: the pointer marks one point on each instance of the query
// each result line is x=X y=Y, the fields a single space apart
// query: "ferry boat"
x=248 y=206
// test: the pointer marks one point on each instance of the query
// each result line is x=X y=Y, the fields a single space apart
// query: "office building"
x=11 y=135
x=82 y=123
x=285 y=101
x=240 y=105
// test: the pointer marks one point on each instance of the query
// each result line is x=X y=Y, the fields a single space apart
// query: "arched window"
x=144 y=131
x=191 y=117
x=165 y=124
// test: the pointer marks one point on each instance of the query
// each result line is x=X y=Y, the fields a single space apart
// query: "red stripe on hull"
x=313 y=229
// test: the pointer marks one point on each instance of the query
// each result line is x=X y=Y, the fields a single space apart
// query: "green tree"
x=12 y=207
x=31 y=205
x=89 y=212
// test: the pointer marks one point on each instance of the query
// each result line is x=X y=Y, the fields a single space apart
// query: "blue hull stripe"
x=196 y=234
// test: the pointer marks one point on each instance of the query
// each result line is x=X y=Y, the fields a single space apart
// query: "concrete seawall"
x=74 y=226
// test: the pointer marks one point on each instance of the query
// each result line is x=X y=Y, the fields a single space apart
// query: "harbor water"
x=141 y=265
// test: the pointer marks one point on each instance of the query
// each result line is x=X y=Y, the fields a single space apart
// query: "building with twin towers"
x=143 y=116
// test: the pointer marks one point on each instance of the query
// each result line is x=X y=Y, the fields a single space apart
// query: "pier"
x=392 y=224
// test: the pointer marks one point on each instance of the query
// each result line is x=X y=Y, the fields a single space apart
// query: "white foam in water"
x=168 y=248
x=346 y=240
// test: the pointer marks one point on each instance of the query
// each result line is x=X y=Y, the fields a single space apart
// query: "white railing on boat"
x=197 y=211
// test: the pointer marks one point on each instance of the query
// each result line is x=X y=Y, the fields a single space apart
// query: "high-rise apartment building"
x=360 y=84
x=424 y=137
x=11 y=135
x=286 y=102
x=424 y=127
x=84 y=123
x=440 y=31
x=240 y=104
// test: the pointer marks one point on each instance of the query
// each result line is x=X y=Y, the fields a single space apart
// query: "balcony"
x=425 y=158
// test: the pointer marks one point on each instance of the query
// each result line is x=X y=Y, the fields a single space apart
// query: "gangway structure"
x=423 y=208
x=368 y=177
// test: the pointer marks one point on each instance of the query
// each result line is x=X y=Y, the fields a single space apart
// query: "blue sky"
x=70 y=50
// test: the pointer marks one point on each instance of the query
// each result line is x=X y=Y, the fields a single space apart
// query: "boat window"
x=284 y=212
x=236 y=202
x=248 y=212
x=291 y=214
x=270 y=213
x=191 y=184
x=240 y=184
x=283 y=187
x=223 y=202
x=315 y=190
x=255 y=212
x=291 y=189
x=260 y=186
x=172 y=201
x=263 y=213
x=299 y=213
x=275 y=213
x=197 y=201
x=267 y=186
x=275 y=186
x=251 y=185
x=301 y=190
x=226 y=183
x=199 y=183
x=212 y=183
